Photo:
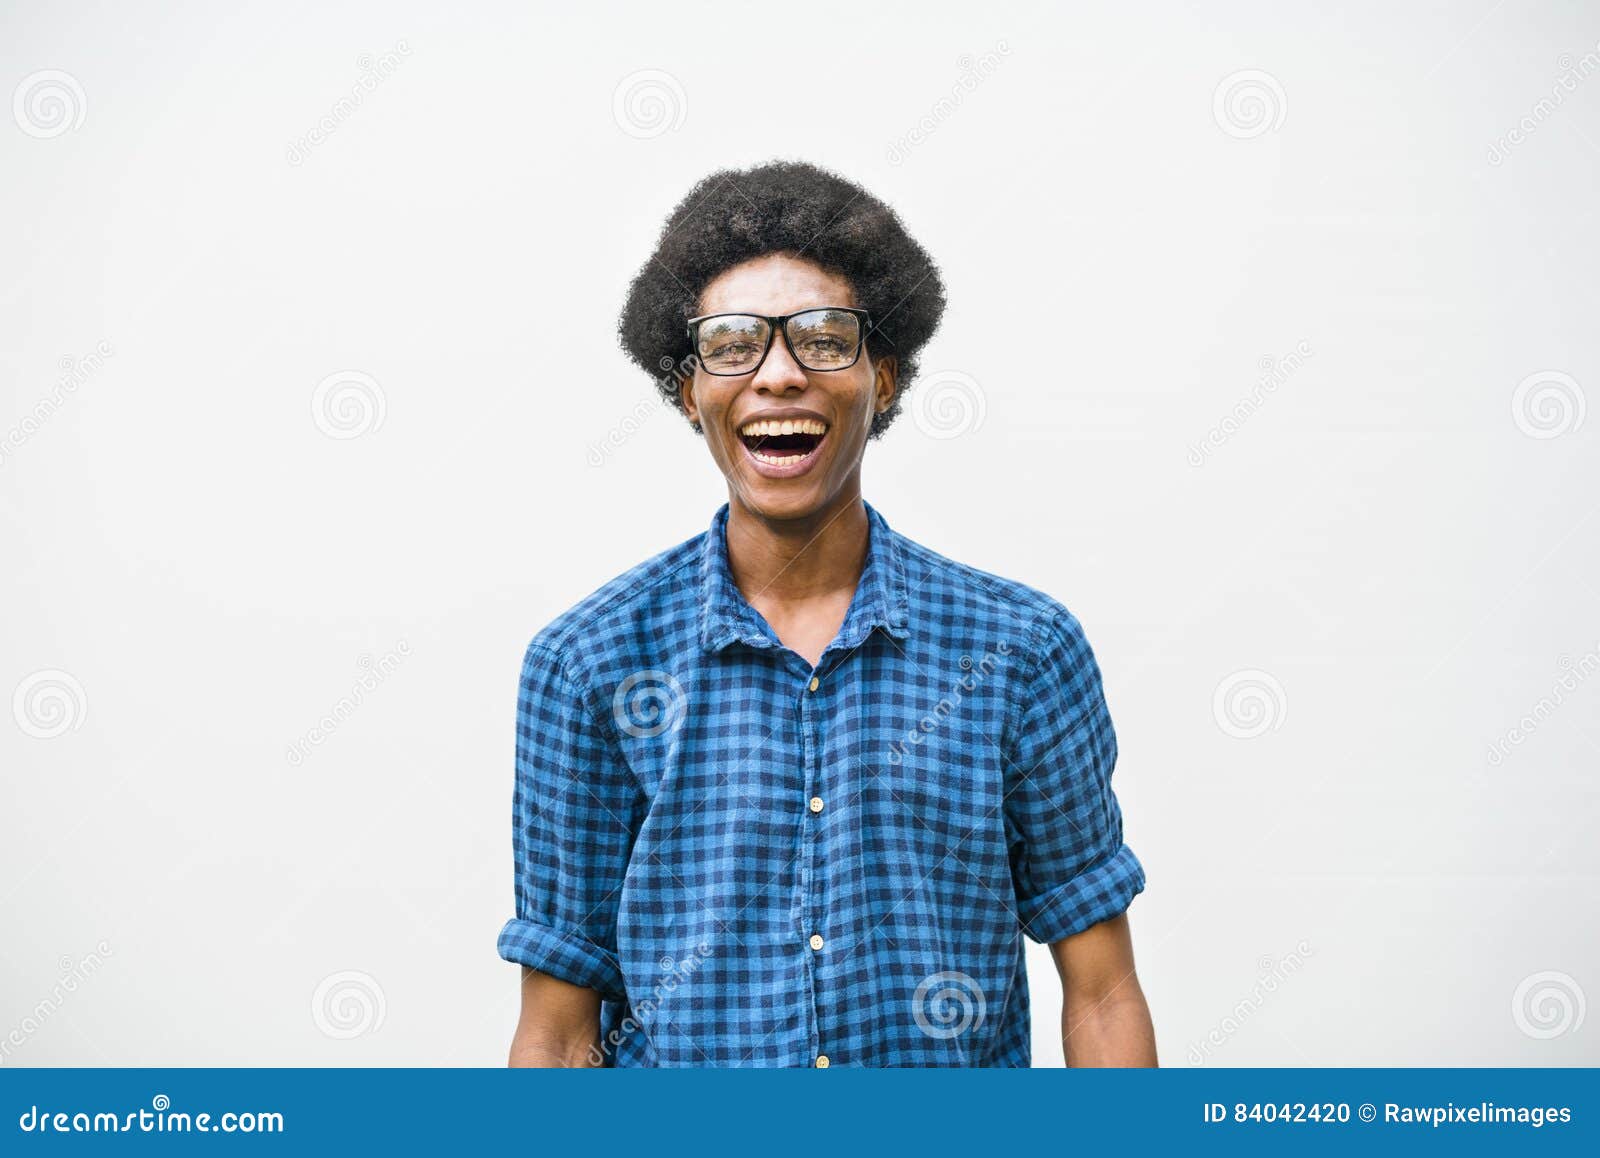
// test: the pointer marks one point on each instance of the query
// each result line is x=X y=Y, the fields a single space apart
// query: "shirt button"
x=816 y=804
x=816 y=940
x=815 y=683
x=822 y=1061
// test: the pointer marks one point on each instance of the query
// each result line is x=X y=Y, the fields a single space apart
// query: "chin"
x=782 y=500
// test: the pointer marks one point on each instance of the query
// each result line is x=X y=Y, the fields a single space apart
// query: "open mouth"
x=783 y=443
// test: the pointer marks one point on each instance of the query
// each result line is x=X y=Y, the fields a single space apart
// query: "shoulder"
x=1046 y=637
x=941 y=587
x=655 y=598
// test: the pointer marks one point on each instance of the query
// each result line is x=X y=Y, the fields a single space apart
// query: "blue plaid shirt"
x=757 y=862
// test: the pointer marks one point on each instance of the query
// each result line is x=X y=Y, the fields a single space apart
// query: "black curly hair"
x=793 y=207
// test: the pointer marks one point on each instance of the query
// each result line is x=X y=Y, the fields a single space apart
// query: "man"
x=793 y=792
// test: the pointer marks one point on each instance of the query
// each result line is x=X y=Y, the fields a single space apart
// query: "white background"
x=1404 y=545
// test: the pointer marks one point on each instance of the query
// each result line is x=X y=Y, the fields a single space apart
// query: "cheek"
x=724 y=446
x=861 y=405
x=709 y=408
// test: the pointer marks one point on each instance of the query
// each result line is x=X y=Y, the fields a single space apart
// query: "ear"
x=686 y=393
x=885 y=383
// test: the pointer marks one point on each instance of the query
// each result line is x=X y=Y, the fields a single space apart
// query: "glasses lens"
x=825 y=339
x=731 y=344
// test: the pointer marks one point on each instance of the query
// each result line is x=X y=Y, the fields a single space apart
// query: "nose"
x=780 y=373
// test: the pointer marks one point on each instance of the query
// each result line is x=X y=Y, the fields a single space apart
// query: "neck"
x=784 y=560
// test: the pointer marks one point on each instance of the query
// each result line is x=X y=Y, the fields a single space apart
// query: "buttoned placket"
x=883 y=607
x=812 y=706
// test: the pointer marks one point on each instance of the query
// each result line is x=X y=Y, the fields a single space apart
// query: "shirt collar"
x=880 y=599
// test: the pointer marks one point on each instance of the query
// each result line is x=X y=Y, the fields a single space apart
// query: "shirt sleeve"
x=575 y=812
x=1069 y=864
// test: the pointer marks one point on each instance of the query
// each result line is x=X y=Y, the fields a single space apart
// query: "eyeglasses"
x=826 y=338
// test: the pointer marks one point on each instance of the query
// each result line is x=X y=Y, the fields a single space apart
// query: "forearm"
x=1109 y=1030
x=559 y=1027
x=537 y=1050
x=1104 y=1018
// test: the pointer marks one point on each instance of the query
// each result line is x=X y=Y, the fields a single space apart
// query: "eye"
x=824 y=350
x=733 y=350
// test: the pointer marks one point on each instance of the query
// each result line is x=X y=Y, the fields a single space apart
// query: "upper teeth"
x=771 y=428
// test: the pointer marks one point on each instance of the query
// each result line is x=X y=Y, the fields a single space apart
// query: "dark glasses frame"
x=778 y=324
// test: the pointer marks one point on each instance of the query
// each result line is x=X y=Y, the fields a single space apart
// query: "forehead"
x=775 y=283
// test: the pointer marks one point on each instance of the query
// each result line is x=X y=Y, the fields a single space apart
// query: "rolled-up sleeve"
x=1069 y=864
x=575 y=813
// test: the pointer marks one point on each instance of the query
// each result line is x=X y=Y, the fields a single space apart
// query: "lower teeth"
x=785 y=461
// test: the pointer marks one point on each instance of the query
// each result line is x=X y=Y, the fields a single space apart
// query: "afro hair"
x=790 y=207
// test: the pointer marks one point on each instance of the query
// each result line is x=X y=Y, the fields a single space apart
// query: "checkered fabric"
x=761 y=863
